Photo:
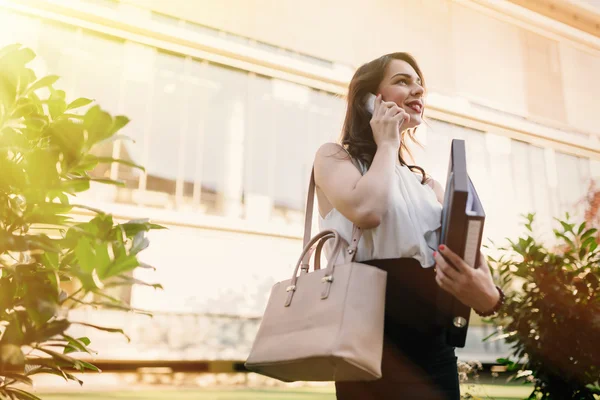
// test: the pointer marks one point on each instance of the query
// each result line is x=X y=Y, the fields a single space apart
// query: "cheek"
x=397 y=94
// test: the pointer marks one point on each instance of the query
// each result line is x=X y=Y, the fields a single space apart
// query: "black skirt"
x=417 y=362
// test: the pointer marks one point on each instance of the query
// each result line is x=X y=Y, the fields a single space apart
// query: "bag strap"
x=310 y=202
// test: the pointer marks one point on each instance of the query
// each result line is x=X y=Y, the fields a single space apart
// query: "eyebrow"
x=407 y=76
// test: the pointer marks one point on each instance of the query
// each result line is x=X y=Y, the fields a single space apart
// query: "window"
x=573 y=175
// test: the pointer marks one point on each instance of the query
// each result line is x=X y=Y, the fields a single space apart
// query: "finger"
x=446 y=269
x=444 y=282
x=455 y=260
x=393 y=111
x=405 y=119
x=483 y=265
x=401 y=117
x=377 y=107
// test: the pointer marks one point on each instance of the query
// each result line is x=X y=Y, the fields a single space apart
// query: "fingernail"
x=442 y=247
x=435 y=253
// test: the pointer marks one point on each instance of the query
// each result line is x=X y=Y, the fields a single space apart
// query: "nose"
x=417 y=90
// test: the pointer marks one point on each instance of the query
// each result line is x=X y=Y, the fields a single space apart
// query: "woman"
x=365 y=181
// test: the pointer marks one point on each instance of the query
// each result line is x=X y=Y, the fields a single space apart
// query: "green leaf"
x=21 y=57
x=85 y=255
x=581 y=228
x=121 y=265
x=102 y=260
x=126 y=281
x=55 y=371
x=77 y=103
x=588 y=242
x=98 y=123
x=589 y=233
x=78 y=344
x=60 y=357
x=119 y=122
x=119 y=161
x=75 y=185
x=84 y=207
x=102 y=328
x=133 y=227
x=567 y=227
x=87 y=365
x=18 y=377
x=146 y=266
x=11 y=48
x=57 y=107
x=25 y=109
x=21 y=394
x=109 y=181
x=42 y=82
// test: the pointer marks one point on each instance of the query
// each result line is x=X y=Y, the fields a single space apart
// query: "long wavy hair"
x=357 y=135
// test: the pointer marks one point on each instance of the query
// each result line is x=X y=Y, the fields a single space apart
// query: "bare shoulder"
x=329 y=157
x=332 y=150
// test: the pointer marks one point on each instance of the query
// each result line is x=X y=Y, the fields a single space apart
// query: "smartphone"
x=370 y=102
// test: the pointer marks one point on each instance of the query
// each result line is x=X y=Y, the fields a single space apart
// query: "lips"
x=415 y=105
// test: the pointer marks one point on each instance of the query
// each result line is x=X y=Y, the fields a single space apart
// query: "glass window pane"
x=57 y=47
x=523 y=181
x=165 y=133
x=571 y=183
x=223 y=138
x=99 y=62
x=259 y=150
x=18 y=28
x=136 y=105
x=291 y=147
x=500 y=202
x=540 y=188
x=199 y=92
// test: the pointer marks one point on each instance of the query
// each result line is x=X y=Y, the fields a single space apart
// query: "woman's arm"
x=363 y=199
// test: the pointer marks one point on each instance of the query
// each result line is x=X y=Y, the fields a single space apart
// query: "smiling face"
x=402 y=85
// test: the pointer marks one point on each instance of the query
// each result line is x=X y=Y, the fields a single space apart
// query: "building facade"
x=230 y=99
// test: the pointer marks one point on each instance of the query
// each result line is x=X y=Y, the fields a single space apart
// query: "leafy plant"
x=49 y=262
x=552 y=312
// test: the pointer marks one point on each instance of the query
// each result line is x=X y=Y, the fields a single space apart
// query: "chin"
x=413 y=124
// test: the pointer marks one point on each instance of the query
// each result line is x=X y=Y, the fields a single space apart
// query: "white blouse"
x=409 y=228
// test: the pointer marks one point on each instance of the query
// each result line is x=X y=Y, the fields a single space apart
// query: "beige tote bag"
x=324 y=325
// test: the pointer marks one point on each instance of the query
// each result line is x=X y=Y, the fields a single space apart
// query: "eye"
x=402 y=81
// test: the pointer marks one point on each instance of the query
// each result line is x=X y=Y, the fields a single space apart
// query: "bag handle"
x=321 y=236
x=317 y=250
x=310 y=201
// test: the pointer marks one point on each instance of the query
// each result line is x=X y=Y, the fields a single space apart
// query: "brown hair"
x=357 y=135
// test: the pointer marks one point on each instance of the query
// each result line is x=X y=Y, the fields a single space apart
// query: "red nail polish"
x=442 y=247
x=435 y=253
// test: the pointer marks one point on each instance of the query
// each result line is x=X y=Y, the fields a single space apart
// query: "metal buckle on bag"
x=290 y=288
x=327 y=278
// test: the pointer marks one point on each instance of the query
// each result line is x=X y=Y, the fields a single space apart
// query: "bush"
x=552 y=311
x=50 y=263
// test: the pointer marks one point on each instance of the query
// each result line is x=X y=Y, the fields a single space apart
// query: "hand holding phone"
x=386 y=123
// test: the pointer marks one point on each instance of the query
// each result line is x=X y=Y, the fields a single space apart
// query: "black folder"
x=462 y=231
